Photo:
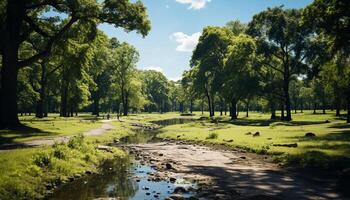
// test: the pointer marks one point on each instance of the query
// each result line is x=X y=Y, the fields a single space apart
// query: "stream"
x=126 y=178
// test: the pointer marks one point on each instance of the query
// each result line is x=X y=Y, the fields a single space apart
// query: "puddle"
x=120 y=179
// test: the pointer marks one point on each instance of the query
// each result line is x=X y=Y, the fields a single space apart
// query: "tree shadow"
x=269 y=122
x=8 y=137
x=252 y=183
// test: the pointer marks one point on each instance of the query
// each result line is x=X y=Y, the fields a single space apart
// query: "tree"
x=21 y=19
x=282 y=37
x=157 y=91
x=124 y=62
x=240 y=82
x=209 y=56
x=331 y=18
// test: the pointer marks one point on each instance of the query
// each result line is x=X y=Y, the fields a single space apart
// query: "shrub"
x=212 y=136
x=76 y=141
x=61 y=152
x=42 y=159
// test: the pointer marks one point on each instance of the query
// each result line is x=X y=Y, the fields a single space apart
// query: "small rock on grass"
x=309 y=134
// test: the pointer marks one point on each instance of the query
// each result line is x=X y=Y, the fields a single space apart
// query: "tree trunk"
x=282 y=111
x=286 y=78
x=315 y=108
x=337 y=106
x=348 y=107
x=126 y=104
x=213 y=107
x=96 y=107
x=11 y=40
x=233 y=109
x=64 y=99
x=209 y=104
x=273 y=111
x=191 y=106
x=247 y=109
x=42 y=104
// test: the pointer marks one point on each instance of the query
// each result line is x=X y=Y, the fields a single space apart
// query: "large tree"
x=281 y=36
x=209 y=56
x=21 y=19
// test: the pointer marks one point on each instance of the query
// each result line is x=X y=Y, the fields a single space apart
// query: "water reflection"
x=113 y=182
x=168 y=122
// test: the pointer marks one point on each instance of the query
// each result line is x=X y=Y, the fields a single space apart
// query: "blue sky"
x=176 y=26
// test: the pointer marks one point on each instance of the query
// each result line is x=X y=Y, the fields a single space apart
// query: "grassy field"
x=330 y=147
x=51 y=126
x=29 y=173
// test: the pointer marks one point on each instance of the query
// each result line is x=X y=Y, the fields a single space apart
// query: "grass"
x=29 y=173
x=330 y=147
x=51 y=126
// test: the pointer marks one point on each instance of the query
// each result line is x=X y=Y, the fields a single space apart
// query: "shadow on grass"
x=268 y=122
x=263 y=184
x=8 y=137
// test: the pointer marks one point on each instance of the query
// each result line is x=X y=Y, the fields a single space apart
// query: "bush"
x=42 y=159
x=76 y=142
x=212 y=136
x=61 y=152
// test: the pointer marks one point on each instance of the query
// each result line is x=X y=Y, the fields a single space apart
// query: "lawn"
x=29 y=173
x=330 y=147
x=51 y=126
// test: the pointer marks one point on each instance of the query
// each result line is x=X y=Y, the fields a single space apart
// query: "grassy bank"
x=52 y=126
x=330 y=147
x=30 y=173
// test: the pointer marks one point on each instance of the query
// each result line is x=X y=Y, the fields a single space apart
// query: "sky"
x=177 y=25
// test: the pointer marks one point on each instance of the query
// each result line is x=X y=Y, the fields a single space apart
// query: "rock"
x=327 y=121
x=178 y=136
x=168 y=166
x=88 y=172
x=156 y=196
x=256 y=134
x=172 y=179
x=177 y=197
x=309 y=134
x=242 y=157
x=148 y=193
x=294 y=145
x=105 y=148
x=160 y=154
x=145 y=188
x=179 y=190
x=249 y=133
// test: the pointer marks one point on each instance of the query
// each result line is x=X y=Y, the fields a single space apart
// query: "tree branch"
x=35 y=27
x=49 y=45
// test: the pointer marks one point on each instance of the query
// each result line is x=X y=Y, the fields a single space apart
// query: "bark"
x=11 y=40
x=282 y=111
x=348 y=107
x=247 y=109
x=337 y=106
x=273 y=111
x=209 y=104
x=233 y=109
x=286 y=96
x=64 y=98
x=96 y=107
x=315 y=108
x=191 y=106
x=126 y=104
x=41 y=108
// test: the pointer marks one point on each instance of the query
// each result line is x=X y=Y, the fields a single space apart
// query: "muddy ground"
x=231 y=174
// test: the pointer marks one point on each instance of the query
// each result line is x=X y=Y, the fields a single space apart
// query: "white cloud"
x=194 y=4
x=155 y=68
x=186 y=42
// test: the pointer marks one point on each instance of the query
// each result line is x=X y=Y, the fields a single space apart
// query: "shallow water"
x=124 y=178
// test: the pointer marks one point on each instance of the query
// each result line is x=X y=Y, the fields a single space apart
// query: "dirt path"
x=231 y=174
x=50 y=141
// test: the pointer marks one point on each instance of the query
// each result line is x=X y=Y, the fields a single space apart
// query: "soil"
x=231 y=174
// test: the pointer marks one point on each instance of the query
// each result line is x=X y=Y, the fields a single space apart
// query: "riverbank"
x=229 y=174
x=32 y=173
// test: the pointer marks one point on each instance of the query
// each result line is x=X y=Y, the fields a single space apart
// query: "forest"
x=286 y=67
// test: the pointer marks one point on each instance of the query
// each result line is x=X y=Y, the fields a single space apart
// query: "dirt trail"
x=50 y=141
x=233 y=174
